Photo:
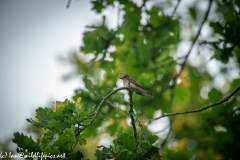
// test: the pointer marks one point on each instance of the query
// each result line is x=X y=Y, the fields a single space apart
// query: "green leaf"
x=105 y=153
x=55 y=125
x=81 y=140
x=98 y=5
x=235 y=84
x=76 y=155
x=152 y=139
x=193 y=13
x=214 y=95
x=125 y=154
x=217 y=27
x=25 y=143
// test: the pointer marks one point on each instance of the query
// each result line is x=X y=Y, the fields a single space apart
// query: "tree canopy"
x=188 y=58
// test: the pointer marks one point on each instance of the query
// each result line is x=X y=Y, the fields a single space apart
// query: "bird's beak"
x=121 y=78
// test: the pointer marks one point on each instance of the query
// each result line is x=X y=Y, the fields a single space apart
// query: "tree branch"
x=175 y=8
x=99 y=95
x=198 y=110
x=141 y=128
x=191 y=47
x=131 y=113
x=100 y=105
x=68 y=4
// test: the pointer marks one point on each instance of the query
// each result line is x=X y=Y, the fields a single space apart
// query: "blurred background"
x=47 y=53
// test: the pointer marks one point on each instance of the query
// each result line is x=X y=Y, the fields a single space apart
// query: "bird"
x=128 y=81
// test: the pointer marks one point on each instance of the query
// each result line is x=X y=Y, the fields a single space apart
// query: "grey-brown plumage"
x=128 y=81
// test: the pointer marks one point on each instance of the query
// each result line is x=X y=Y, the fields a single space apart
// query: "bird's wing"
x=134 y=82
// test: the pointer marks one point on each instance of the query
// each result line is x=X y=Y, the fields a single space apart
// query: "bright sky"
x=32 y=35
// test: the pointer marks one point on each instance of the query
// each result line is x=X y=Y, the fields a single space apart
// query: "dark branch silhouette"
x=68 y=4
x=190 y=49
x=175 y=8
x=110 y=103
x=131 y=113
x=99 y=107
x=198 y=110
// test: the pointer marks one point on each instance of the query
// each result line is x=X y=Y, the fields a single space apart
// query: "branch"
x=143 y=4
x=100 y=105
x=68 y=4
x=141 y=127
x=99 y=95
x=175 y=8
x=193 y=43
x=131 y=113
x=198 y=110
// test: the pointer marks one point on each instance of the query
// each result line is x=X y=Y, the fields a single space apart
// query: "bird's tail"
x=140 y=93
x=149 y=93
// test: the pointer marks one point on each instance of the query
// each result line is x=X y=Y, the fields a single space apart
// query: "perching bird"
x=128 y=81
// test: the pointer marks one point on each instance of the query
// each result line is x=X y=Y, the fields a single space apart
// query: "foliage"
x=58 y=128
x=147 y=45
x=125 y=147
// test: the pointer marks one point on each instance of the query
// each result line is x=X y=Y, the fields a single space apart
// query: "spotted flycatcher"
x=138 y=88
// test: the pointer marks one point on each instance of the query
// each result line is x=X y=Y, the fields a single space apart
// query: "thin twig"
x=131 y=113
x=100 y=105
x=198 y=110
x=190 y=49
x=68 y=4
x=143 y=4
x=175 y=8
x=141 y=127
x=110 y=103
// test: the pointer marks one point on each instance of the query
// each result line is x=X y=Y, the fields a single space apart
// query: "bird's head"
x=124 y=76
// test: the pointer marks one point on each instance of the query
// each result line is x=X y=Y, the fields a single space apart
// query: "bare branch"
x=100 y=105
x=175 y=8
x=198 y=110
x=68 y=4
x=191 y=47
x=131 y=113
x=141 y=127
x=111 y=104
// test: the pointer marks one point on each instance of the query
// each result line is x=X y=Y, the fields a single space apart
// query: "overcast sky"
x=32 y=35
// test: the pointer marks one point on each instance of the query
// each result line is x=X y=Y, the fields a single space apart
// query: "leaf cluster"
x=57 y=129
x=226 y=31
x=126 y=147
